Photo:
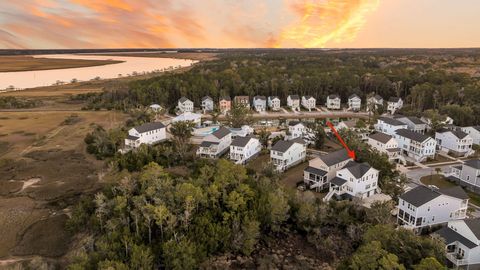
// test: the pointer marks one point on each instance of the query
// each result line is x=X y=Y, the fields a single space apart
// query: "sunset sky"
x=33 y=24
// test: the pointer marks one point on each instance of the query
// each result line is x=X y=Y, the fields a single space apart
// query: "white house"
x=155 y=107
x=189 y=116
x=207 y=104
x=415 y=145
x=285 y=154
x=467 y=174
x=322 y=169
x=355 y=180
x=374 y=102
x=425 y=206
x=474 y=132
x=293 y=101
x=362 y=133
x=394 y=104
x=462 y=242
x=413 y=123
x=354 y=103
x=274 y=103
x=333 y=102
x=243 y=149
x=149 y=133
x=387 y=144
x=446 y=121
x=185 y=105
x=296 y=129
x=260 y=103
x=309 y=102
x=389 y=125
x=454 y=142
x=215 y=144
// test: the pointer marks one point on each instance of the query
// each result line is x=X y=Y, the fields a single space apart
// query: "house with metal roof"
x=215 y=144
x=462 y=242
x=413 y=123
x=354 y=180
x=386 y=144
x=207 y=104
x=185 y=105
x=416 y=146
x=148 y=133
x=243 y=149
x=322 y=169
x=454 y=142
x=285 y=154
x=389 y=125
x=354 y=103
x=466 y=174
x=293 y=102
x=394 y=104
x=333 y=102
x=425 y=206
x=309 y=103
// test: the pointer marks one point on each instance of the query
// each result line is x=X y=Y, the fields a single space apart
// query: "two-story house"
x=385 y=143
x=394 y=104
x=215 y=144
x=413 y=123
x=389 y=125
x=185 y=105
x=274 y=103
x=474 y=132
x=467 y=174
x=242 y=101
x=374 y=102
x=415 y=145
x=149 y=133
x=260 y=103
x=225 y=104
x=293 y=102
x=355 y=180
x=322 y=169
x=462 y=242
x=285 y=154
x=424 y=206
x=189 y=117
x=333 y=102
x=454 y=142
x=354 y=103
x=309 y=102
x=244 y=149
x=296 y=129
x=207 y=104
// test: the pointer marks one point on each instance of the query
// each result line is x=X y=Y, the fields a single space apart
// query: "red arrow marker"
x=351 y=153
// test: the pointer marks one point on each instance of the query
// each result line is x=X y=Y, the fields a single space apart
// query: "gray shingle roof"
x=353 y=96
x=149 y=127
x=308 y=97
x=338 y=181
x=391 y=121
x=378 y=97
x=183 y=99
x=283 y=146
x=474 y=163
x=206 y=98
x=273 y=97
x=452 y=236
x=381 y=137
x=225 y=98
x=133 y=138
x=294 y=123
x=208 y=144
x=423 y=194
x=415 y=136
x=412 y=119
x=333 y=96
x=474 y=225
x=335 y=157
x=260 y=97
x=357 y=169
x=294 y=97
x=394 y=99
x=221 y=132
x=477 y=128
x=315 y=171
x=241 y=141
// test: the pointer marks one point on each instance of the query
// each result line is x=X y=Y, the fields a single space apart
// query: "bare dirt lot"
x=28 y=63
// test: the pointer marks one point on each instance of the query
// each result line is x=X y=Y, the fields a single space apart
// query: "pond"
x=129 y=66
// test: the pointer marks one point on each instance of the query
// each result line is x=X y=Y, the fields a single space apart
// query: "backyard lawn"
x=440 y=181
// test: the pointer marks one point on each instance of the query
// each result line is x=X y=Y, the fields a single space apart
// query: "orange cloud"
x=323 y=22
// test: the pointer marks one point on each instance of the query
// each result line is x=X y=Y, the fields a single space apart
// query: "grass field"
x=28 y=63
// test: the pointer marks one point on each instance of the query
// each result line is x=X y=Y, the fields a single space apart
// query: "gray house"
x=413 y=123
x=207 y=104
x=467 y=174
x=260 y=103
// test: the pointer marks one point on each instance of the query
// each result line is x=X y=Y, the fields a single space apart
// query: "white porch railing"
x=329 y=195
x=453 y=258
